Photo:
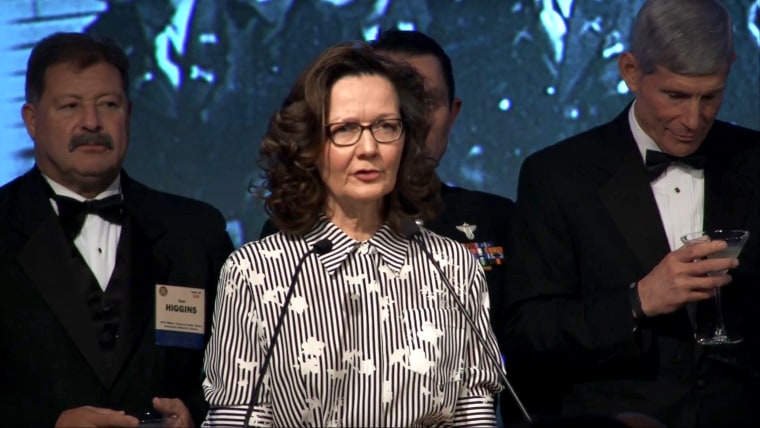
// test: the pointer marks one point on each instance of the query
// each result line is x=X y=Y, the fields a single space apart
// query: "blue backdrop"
x=206 y=76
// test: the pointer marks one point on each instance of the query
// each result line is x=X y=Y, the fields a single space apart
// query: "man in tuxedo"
x=603 y=298
x=94 y=266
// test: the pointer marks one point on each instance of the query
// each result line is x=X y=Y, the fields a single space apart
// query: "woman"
x=371 y=336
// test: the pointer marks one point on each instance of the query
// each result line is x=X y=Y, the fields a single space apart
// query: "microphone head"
x=323 y=246
x=408 y=228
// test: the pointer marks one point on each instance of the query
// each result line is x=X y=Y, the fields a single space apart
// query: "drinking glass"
x=717 y=334
x=154 y=419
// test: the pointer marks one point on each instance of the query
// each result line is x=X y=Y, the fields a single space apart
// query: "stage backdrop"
x=207 y=75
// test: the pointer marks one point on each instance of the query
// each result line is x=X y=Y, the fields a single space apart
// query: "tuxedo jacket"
x=51 y=359
x=476 y=219
x=586 y=227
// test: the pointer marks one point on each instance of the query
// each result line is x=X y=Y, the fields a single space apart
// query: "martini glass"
x=717 y=334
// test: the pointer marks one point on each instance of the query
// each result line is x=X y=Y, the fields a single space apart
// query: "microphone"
x=323 y=246
x=410 y=230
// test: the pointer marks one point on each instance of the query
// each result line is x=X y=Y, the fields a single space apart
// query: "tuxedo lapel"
x=729 y=187
x=46 y=260
x=134 y=269
x=630 y=202
x=628 y=196
x=138 y=267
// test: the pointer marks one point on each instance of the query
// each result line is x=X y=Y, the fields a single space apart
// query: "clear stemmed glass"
x=735 y=240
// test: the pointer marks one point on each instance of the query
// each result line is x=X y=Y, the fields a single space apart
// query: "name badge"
x=180 y=316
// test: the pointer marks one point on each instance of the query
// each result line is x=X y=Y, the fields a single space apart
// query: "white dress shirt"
x=371 y=337
x=98 y=240
x=679 y=191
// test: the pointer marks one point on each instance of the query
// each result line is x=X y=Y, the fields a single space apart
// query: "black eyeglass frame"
x=396 y=120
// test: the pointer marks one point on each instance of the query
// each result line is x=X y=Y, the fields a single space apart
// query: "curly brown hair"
x=297 y=133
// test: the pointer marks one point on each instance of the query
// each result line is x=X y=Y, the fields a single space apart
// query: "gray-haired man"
x=601 y=291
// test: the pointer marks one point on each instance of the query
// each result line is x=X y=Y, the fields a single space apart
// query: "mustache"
x=91 y=138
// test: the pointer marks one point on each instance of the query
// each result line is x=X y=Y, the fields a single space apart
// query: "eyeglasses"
x=344 y=134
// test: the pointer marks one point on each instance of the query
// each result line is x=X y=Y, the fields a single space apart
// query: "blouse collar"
x=389 y=245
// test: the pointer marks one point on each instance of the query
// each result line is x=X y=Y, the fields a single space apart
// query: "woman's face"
x=359 y=175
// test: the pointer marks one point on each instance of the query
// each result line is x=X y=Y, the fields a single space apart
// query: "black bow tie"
x=657 y=162
x=72 y=212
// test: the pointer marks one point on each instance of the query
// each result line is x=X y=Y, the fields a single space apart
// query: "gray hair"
x=689 y=37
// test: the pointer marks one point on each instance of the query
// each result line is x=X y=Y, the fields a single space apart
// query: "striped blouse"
x=372 y=336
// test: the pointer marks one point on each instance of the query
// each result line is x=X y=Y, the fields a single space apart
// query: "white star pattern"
x=446 y=413
x=256 y=278
x=437 y=399
x=312 y=347
x=397 y=357
x=363 y=248
x=403 y=274
x=271 y=254
x=307 y=418
x=246 y=365
x=350 y=355
x=230 y=289
x=486 y=302
x=385 y=303
x=336 y=414
x=309 y=366
x=271 y=296
x=261 y=334
x=373 y=287
x=243 y=265
x=337 y=374
x=456 y=375
x=362 y=320
x=257 y=420
x=418 y=362
x=298 y=305
x=355 y=280
x=313 y=403
x=431 y=295
x=429 y=333
x=387 y=391
x=385 y=270
x=442 y=260
x=367 y=367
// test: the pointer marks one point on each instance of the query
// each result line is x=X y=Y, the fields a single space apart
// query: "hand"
x=174 y=409
x=88 y=416
x=678 y=279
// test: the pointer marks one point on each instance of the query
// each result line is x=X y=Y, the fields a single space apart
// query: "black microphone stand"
x=321 y=247
x=411 y=231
